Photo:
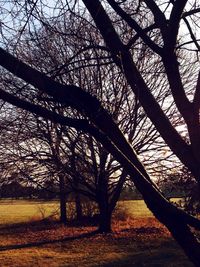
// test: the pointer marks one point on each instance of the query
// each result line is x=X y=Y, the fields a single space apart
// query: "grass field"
x=19 y=211
x=137 y=239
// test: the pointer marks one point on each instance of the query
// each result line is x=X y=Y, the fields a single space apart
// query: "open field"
x=137 y=240
x=20 y=211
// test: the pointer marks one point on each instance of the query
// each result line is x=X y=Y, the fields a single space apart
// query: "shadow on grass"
x=167 y=255
x=41 y=243
x=44 y=224
x=149 y=253
x=24 y=226
x=135 y=262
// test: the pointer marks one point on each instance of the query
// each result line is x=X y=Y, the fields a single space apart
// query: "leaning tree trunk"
x=186 y=239
x=176 y=220
x=181 y=232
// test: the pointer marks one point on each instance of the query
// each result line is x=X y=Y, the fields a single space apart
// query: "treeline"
x=16 y=190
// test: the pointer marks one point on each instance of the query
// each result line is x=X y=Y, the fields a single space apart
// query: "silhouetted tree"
x=156 y=27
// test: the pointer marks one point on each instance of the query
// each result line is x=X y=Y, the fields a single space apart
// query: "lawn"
x=19 y=211
x=137 y=239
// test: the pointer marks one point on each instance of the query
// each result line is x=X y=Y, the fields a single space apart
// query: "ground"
x=137 y=239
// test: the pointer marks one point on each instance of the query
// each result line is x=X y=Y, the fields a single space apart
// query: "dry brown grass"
x=137 y=240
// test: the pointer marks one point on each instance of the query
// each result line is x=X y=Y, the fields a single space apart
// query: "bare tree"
x=166 y=20
x=106 y=83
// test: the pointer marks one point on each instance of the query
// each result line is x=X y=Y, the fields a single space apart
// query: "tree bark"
x=174 y=219
x=105 y=218
x=186 y=239
x=79 y=211
x=105 y=212
x=62 y=195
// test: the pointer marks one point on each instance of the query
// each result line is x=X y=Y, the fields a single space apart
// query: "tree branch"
x=125 y=62
x=136 y=37
x=191 y=12
x=192 y=34
x=43 y=112
x=133 y=24
x=159 y=17
x=196 y=99
x=174 y=22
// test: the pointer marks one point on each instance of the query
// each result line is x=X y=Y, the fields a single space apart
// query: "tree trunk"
x=105 y=213
x=178 y=223
x=104 y=220
x=79 y=211
x=63 y=207
x=186 y=239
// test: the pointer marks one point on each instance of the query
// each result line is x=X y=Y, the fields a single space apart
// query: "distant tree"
x=11 y=190
x=15 y=190
x=183 y=185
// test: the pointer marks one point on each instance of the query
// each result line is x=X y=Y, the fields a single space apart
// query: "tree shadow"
x=156 y=259
x=24 y=226
x=45 y=224
x=47 y=242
